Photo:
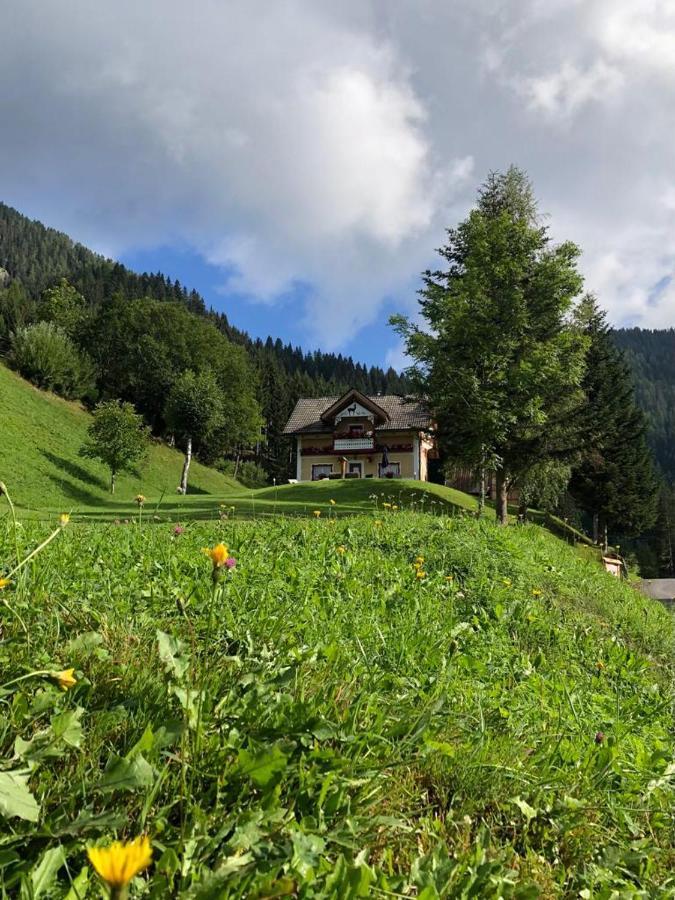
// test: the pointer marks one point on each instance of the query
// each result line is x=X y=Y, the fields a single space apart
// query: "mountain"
x=651 y=355
x=37 y=257
x=34 y=257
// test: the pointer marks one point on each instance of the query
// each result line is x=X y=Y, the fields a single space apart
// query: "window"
x=321 y=471
x=355 y=430
x=393 y=470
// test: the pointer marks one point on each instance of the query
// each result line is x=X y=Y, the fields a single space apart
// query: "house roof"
x=404 y=414
x=354 y=396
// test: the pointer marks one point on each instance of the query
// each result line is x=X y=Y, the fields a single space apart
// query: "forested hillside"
x=651 y=355
x=34 y=257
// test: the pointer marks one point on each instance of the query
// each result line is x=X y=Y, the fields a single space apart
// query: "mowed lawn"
x=393 y=705
x=40 y=438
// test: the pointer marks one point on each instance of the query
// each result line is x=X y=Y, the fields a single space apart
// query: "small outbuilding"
x=614 y=565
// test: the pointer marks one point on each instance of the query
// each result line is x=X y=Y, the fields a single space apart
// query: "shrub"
x=45 y=355
x=250 y=474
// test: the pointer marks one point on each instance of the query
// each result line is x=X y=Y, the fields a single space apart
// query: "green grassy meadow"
x=333 y=717
x=40 y=436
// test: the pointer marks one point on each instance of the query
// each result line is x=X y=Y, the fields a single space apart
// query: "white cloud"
x=563 y=92
x=329 y=144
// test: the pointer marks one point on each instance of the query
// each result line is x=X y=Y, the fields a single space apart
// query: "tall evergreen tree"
x=499 y=363
x=614 y=479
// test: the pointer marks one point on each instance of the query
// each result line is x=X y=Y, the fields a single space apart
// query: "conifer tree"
x=498 y=361
x=614 y=478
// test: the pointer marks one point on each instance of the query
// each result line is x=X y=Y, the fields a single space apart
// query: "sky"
x=298 y=161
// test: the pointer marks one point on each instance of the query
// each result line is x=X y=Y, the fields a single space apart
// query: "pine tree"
x=614 y=478
x=499 y=363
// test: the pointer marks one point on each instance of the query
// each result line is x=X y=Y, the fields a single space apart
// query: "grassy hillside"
x=40 y=435
x=493 y=720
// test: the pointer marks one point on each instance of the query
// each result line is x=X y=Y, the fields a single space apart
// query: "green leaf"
x=528 y=811
x=348 y=881
x=84 y=644
x=89 y=821
x=170 y=652
x=44 y=873
x=307 y=850
x=68 y=727
x=16 y=800
x=79 y=886
x=8 y=858
x=144 y=744
x=126 y=774
x=264 y=767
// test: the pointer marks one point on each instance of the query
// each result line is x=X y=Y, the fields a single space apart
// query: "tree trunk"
x=596 y=528
x=501 y=498
x=522 y=511
x=605 y=539
x=112 y=482
x=236 y=463
x=481 y=498
x=186 y=466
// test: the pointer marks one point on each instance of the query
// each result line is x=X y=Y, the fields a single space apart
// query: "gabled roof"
x=404 y=414
x=351 y=396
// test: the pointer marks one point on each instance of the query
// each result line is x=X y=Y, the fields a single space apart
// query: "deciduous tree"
x=117 y=437
x=194 y=412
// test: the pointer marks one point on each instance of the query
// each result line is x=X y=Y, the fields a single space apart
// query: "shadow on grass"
x=74 y=470
x=76 y=492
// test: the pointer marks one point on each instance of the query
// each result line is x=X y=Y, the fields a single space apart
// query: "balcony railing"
x=357 y=443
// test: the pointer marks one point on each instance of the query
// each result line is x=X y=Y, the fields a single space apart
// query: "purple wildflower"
x=599 y=737
x=178 y=529
x=230 y=562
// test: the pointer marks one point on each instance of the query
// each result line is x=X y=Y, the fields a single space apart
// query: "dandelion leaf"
x=16 y=800
x=126 y=774
x=264 y=767
x=43 y=874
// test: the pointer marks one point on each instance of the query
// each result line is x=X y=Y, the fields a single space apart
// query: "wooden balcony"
x=350 y=444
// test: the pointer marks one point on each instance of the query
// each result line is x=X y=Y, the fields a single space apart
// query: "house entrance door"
x=356 y=468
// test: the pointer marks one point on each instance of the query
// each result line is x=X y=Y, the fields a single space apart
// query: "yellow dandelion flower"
x=341 y=549
x=394 y=506
x=332 y=502
x=118 y=863
x=419 y=559
x=4 y=582
x=317 y=513
x=218 y=555
x=449 y=578
x=506 y=582
x=536 y=592
x=65 y=679
x=420 y=574
x=377 y=523
x=599 y=665
x=387 y=505
x=64 y=518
